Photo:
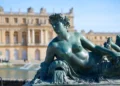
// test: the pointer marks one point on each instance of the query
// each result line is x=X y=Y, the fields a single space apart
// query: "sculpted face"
x=59 y=28
x=118 y=37
x=118 y=40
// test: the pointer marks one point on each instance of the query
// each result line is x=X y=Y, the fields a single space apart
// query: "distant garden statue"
x=73 y=59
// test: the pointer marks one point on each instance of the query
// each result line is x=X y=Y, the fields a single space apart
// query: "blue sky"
x=96 y=15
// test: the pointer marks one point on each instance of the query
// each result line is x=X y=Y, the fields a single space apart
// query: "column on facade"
x=20 y=37
x=0 y=36
x=29 y=40
x=33 y=36
x=46 y=37
x=3 y=37
x=12 y=37
x=1 y=19
x=41 y=37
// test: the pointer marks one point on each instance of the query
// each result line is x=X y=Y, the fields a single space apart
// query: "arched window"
x=15 y=37
x=24 y=20
x=15 y=20
x=37 y=54
x=24 y=55
x=7 y=36
x=101 y=37
x=7 y=55
x=37 y=37
x=95 y=37
x=24 y=38
x=7 y=20
x=16 y=56
x=37 y=21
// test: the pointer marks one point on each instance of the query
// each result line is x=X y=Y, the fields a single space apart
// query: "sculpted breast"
x=76 y=46
x=64 y=48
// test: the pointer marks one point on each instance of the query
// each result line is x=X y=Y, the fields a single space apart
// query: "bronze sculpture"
x=111 y=45
x=118 y=40
x=68 y=56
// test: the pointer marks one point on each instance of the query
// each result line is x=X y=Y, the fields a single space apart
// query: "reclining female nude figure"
x=73 y=47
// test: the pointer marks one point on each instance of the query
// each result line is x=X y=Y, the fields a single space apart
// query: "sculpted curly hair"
x=58 y=17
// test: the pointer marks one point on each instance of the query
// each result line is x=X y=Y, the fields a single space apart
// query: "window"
x=7 y=20
x=16 y=56
x=24 y=21
x=7 y=37
x=100 y=37
x=44 y=21
x=15 y=20
x=37 y=21
x=37 y=54
x=95 y=37
x=15 y=37
x=7 y=55
x=37 y=37
x=24 y=55
x=24 y=39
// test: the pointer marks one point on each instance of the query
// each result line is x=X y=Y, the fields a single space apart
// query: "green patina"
x=83 y=59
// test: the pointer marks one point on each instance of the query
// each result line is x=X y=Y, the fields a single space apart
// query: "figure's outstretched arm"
x=96 y=48
x=115 y=47
x=87 y=44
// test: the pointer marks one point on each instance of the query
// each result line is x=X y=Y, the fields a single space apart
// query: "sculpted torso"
x=71 y=47
x=63 y=48
x=70 y=56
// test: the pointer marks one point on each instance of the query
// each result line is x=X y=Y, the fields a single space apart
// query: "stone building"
x=99 y=38
x=25 y=36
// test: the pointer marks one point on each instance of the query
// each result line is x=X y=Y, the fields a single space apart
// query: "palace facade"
x=25 y=36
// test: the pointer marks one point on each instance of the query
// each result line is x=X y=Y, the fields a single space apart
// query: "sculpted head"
x=59 y=23
x=118 y=40
x=118 y=37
